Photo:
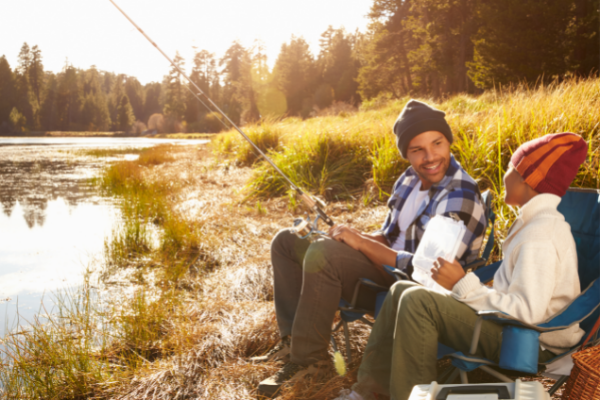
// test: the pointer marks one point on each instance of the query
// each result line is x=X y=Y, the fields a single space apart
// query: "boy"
x=537 y=278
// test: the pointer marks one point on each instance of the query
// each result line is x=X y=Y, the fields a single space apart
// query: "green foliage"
x=522 y=41
x=125 y=116
x=17 y=120
x=294 y=75
x=174 y=107
x=7 y=88
x=436 y=48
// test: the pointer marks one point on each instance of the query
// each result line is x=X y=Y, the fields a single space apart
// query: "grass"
x=353 y=156
x=110 y=152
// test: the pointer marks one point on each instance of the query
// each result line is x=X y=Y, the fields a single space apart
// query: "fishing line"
x=304 y=228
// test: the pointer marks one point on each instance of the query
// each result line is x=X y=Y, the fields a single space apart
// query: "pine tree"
x=24 y=98
x=338 y=68
x=204 y=72
x=48 y=109
x=233 y=63
x=174 y=108
x=68 y=99
x=94 y=110
x=7 y=92
x=521 y=41
x=36 y=73
x=134 y=91
x=152 y=98
x=295 y=76
x=125 y=116
x=383 y=52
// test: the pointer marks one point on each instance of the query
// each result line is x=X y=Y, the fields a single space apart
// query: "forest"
x=426 y=48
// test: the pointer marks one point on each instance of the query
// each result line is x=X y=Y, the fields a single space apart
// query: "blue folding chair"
x=350 y=313
x=520 y=341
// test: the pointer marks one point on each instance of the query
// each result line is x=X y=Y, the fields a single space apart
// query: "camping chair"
x=350 y=313
x=520 y=343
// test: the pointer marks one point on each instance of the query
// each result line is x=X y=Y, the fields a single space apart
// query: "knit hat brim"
x=423 y=125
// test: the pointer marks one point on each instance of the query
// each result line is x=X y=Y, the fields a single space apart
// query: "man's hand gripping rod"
x=303 y=228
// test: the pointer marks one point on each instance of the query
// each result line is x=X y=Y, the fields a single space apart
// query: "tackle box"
x=518 y=390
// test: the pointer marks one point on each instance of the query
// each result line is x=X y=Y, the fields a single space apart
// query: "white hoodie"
x=538 y=276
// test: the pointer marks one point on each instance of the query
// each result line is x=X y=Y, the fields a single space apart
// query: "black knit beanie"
x=416 y=118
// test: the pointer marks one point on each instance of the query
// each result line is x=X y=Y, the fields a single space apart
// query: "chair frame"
x=593 y=287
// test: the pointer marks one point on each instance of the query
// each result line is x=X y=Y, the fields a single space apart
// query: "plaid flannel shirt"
x=456 y=193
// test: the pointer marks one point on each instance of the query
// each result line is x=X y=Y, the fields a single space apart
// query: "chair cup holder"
x=520 y=349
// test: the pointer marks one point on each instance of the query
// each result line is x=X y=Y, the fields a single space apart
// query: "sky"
x=93 y=32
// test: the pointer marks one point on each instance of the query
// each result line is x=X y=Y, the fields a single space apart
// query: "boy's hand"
x=346 y=234
x=447 y=274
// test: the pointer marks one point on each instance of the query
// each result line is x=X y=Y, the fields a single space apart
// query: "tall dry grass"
x=341 y=157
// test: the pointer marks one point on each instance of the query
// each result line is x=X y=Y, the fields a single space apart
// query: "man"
x=537 y=278
x=310 y=278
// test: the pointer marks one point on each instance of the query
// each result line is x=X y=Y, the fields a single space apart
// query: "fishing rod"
x=304 y=228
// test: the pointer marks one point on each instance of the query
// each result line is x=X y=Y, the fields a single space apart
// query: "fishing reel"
x=305 y=228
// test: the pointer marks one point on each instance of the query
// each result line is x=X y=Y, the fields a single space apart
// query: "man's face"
x=429 y=155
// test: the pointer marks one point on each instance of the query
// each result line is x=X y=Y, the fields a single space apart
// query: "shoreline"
x=60 y=134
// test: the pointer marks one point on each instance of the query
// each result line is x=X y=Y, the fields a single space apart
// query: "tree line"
x=429 y=48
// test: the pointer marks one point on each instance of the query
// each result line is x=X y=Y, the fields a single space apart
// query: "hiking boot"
x=281 y=352
x=291 y=373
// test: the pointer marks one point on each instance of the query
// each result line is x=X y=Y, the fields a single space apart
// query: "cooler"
x=517 y=390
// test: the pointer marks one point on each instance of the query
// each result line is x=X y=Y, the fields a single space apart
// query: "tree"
x=68 y=99
x=152 y=97
x=383 y=52
x=204 y=73
x=337 y=66
x=36 y=73
x=174 y=107
x=521 y=41
x=94 y=112
x=24 y=99
x=7 y=89
x=233 y=63
x=48 y=109
x=134 y=91
x=295 y=76
x=125 y=116
x=17 y=120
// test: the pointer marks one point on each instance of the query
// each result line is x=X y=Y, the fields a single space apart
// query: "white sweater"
x=538 y=276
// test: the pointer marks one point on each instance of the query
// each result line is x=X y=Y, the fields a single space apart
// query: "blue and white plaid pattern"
x=457 y=193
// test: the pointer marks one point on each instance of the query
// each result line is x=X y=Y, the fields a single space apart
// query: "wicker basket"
x=584 y=382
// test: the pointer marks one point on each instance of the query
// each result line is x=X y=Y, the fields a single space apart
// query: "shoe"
x=347 y=394
x=281 y=352
x=291 y=373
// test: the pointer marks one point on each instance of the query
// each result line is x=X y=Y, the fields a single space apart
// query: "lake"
x=53 y=221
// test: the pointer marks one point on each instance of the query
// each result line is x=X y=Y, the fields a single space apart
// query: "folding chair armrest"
x=504 y=319
x=578 y=310
x=400 y=275
x=372 y=285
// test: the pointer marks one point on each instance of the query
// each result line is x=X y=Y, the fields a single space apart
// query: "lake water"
x=53 y=222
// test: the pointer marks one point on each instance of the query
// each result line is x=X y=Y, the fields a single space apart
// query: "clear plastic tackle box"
x=518 y=390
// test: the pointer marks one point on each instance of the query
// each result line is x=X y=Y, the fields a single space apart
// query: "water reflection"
x=34 y=183
x=54 y=222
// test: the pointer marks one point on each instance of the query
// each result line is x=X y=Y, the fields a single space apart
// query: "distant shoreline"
x=110 y=134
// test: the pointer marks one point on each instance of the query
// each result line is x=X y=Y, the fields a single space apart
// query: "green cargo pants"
x=402 y=348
